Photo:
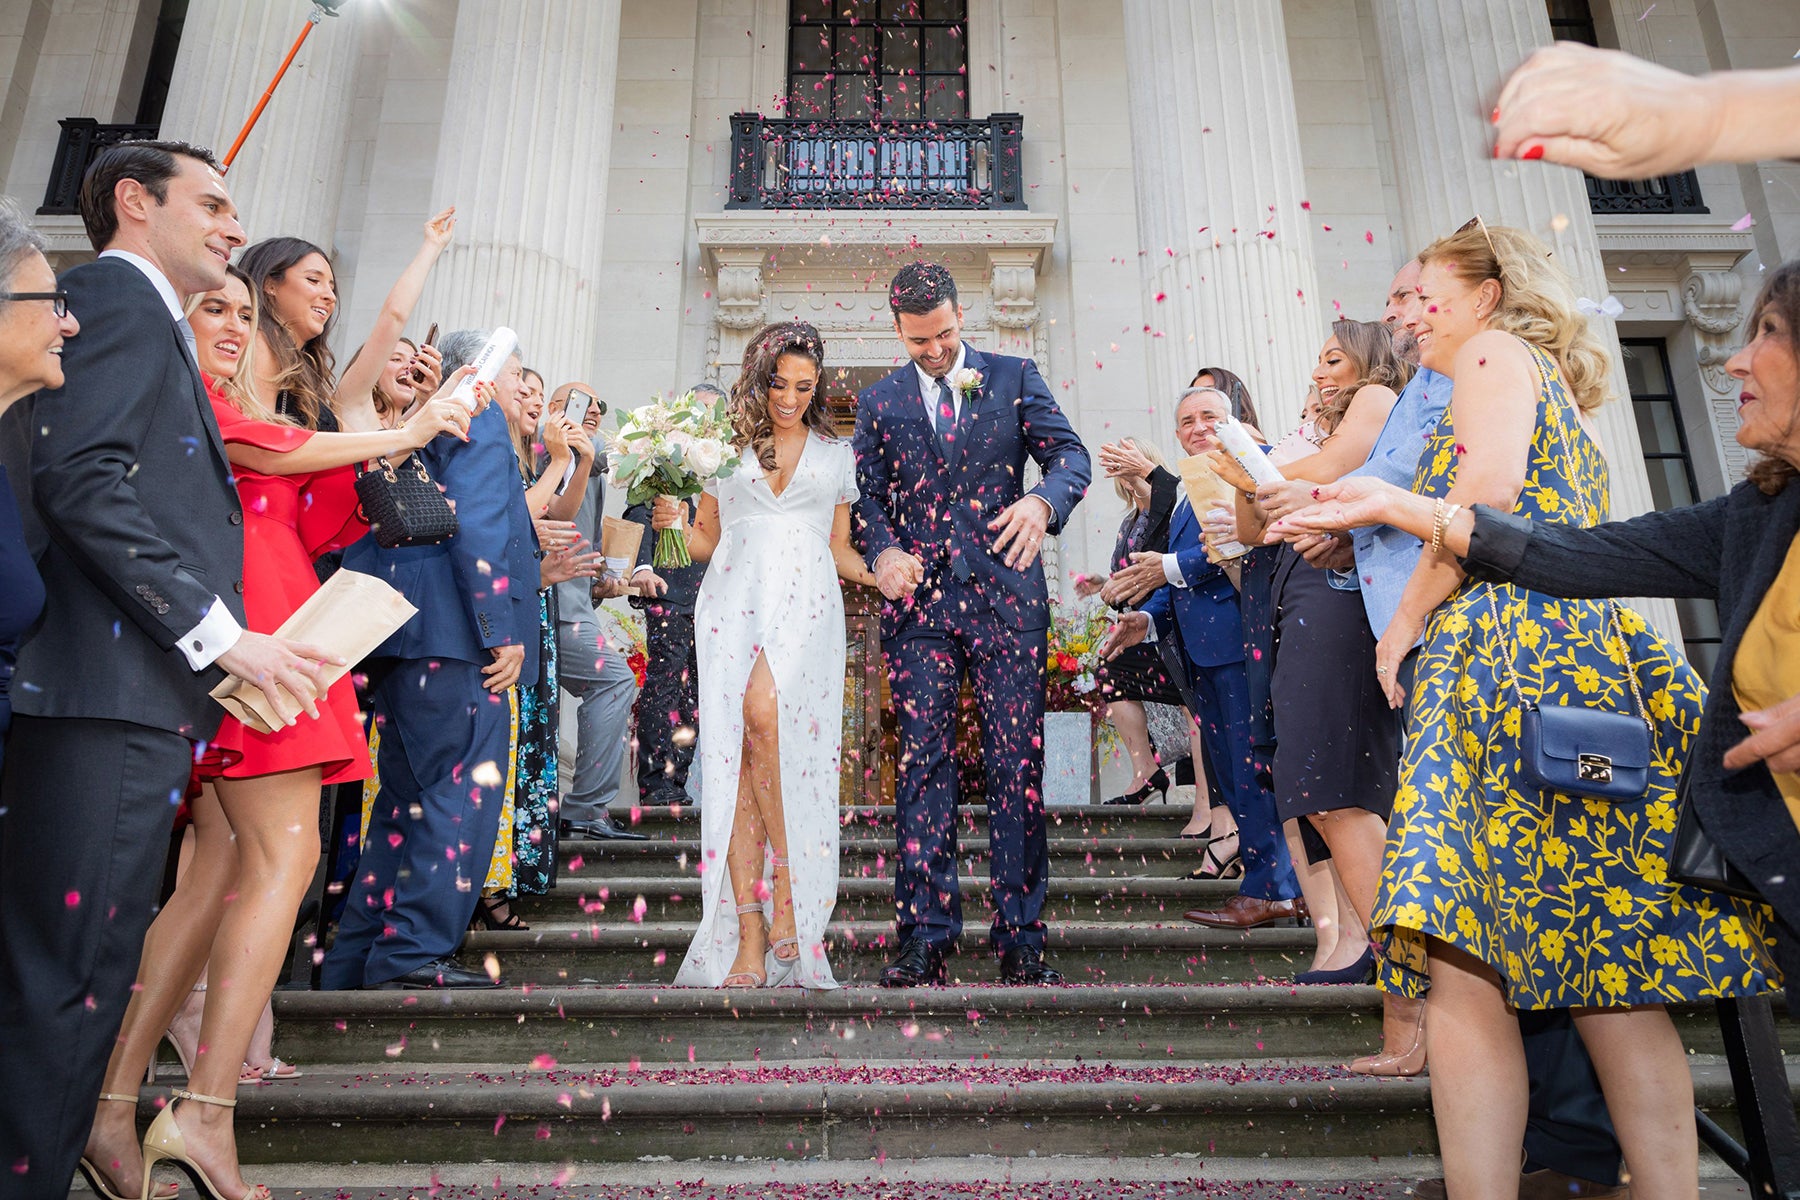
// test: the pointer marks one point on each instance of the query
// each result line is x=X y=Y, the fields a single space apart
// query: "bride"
x=769 y=627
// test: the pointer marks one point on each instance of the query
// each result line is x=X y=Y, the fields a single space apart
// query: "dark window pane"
x=899 y=10
x=809 y=49
x=1659 y=426
x=856 y=48
x=855 y=97
x=1646 y=371
x=943 y=48
x=856 y=10
x=809 y=96
x=809 y=10
x=1669 y=483
x=900 y=49
x=900 y=98
x=1572 y=21
x=945 y=99
x=943 y=10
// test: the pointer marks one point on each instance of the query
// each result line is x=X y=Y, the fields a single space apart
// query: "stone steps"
x=555 y=1112
x=1131 y=1023
x=1099 y=898
x=1086 y=952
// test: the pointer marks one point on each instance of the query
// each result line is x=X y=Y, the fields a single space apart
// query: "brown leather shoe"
x=1247 y=912
x=1536 y=1185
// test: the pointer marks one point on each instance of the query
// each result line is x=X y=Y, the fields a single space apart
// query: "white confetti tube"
x=1250 y=456
x=500 y=345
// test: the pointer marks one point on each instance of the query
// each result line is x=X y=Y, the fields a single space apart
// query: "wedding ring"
x=1381 y=670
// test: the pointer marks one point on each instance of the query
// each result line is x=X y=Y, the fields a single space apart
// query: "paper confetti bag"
x=1205 y=491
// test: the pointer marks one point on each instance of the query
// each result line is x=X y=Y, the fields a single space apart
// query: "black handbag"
x=404 y=506
x=1583 y=751
x=1696 y=859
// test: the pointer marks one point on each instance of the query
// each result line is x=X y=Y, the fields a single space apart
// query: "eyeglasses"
x=1475 y=222
x=59 y=299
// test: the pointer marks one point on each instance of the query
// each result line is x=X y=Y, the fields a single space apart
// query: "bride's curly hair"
x=751 y=425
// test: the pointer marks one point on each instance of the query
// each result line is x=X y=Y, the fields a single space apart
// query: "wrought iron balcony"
x=1664 y=194
x=964 y=164
x=83 y=138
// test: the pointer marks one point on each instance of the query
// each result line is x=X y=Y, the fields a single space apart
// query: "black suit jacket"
x=142 y=524
x=684 y=582
x=1729 y=549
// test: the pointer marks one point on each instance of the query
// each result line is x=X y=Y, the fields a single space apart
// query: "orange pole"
x=257 y=112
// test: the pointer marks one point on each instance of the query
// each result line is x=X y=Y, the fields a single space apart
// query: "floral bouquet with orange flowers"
x=1074 y=654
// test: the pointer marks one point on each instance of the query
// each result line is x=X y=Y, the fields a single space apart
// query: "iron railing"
x=83 y=138
x=779 y=163
x=1664 y=194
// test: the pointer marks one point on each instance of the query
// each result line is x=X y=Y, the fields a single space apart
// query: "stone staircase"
x=1177 y=1052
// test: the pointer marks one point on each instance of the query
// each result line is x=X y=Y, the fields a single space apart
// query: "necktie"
x=187 y=335
x=944 y=416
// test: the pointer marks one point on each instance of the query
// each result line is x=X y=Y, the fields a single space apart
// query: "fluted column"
x=1216 y=148
x=1444 y=64
x=524 y=157
x=288 y=178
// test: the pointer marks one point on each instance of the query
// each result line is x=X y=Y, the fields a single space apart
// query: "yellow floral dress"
x=1567 y=898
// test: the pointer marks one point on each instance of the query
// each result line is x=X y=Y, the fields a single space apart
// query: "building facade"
x=1125 y=189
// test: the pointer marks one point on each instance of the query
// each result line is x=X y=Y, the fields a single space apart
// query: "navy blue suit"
x=973 y=614
x=444 y=737
x=1205 y=617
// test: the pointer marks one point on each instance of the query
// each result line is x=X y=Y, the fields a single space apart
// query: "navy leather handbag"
x=1581 y=751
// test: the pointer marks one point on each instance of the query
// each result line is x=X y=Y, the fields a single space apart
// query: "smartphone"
x=579 y=403
x=419 y=376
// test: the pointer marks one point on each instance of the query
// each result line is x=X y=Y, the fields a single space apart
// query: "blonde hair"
x=240 y=389
x=1537 y=302
x=1148 y=450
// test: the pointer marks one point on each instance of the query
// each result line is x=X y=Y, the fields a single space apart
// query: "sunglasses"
x=59 y=299
x=1475 y=222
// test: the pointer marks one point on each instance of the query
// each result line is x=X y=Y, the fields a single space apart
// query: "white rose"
x=705 y=457
x=966 y=380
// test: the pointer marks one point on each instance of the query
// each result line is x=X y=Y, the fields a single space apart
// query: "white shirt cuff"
x=1150 y=632
x=217 y=632
x=1172 y=571
x=642 y=570
x=1049 y=510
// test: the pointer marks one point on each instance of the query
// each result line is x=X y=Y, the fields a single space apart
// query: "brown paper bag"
x=1206 y=490
x=619 y=544
x=348 y=616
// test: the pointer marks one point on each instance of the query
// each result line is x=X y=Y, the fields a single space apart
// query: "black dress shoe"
x=1024 y=965
x=918 y=962
x=600 y=829
x=443 y=973
x=670 y=798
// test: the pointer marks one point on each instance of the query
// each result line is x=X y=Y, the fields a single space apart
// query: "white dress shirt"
x=218 y=631
x=928 y=387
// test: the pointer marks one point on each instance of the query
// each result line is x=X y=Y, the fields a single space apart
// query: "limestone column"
x=1216 y=148
x=288 y=178
x=524 y=156
x=1444 y=64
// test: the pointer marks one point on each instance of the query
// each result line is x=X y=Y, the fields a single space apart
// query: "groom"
x=940 y=455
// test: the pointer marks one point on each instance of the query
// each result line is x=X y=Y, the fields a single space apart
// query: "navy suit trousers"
x=1223 y=694
x=955 y=631
x=443 y=759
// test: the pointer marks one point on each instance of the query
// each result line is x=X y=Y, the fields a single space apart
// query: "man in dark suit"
x=140 y=543
x=669 y=708
x=953 y=539
x=441 y=706
x=1198 y=606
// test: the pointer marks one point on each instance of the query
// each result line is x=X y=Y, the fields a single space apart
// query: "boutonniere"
x=966 y=381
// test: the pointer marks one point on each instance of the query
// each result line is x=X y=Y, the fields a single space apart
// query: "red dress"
x=289 y=520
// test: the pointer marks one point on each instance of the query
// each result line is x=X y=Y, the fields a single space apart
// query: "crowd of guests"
x=1430 y=580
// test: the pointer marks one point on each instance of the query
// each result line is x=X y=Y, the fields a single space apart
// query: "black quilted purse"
x=404 y=506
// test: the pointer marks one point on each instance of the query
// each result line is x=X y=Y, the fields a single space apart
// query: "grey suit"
x=596 y=675
x=143 y=531
x=1730 y=550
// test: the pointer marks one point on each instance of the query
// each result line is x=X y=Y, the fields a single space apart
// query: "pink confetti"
x=1742 y=223
x=72 y=899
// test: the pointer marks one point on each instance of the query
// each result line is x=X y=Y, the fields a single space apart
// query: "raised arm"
x=353 y=399
x=324 y=451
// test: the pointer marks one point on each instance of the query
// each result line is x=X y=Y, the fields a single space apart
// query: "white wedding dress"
x=772 y=589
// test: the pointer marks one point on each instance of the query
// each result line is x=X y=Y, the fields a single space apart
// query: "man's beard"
x=1406 y=346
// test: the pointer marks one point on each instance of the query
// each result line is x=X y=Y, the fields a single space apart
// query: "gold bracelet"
x=1442 y=515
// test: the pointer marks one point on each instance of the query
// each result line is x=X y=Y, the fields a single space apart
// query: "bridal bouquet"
x=672 y=448
x=1073 y=655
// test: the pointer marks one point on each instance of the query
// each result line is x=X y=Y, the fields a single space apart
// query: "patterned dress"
x=1567 y=898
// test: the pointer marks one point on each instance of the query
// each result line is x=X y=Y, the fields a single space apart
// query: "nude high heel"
x=782 y=966
x=1404 y=1065
x=163 y=1142
x=749 y=979
x=96 y=1179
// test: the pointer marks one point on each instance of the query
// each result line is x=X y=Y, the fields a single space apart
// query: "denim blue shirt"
x=1385 y=556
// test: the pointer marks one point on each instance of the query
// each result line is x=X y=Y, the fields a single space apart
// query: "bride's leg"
x=744 y=861
x=762 y=766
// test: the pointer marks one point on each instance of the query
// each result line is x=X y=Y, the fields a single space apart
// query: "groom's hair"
x=919 y=287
